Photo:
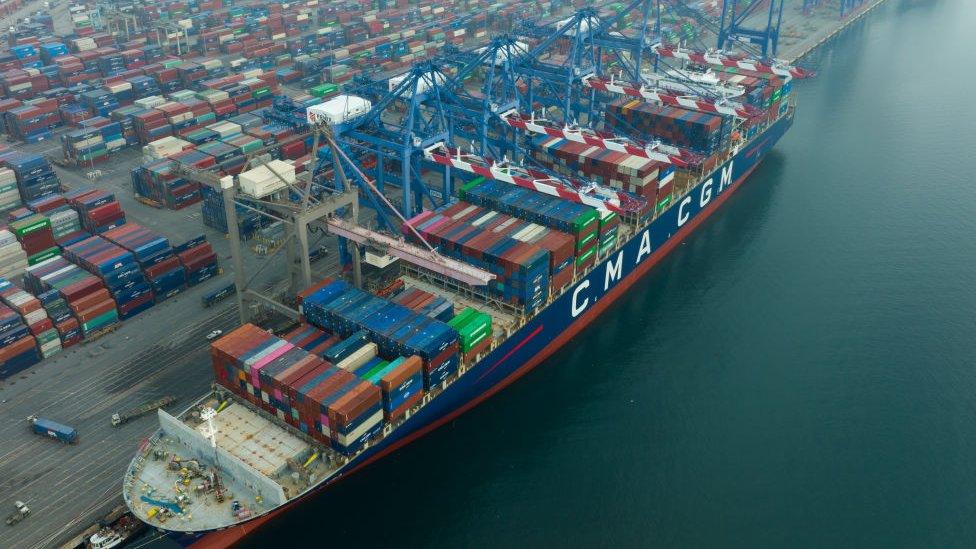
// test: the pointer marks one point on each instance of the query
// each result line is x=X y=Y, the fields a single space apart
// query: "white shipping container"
x=358 y=358
x=337 y=110
x=262 y=181
x=484 y=219
x=345 y=440
x=35 y=316
x=7 y=176
x=150 y=102
x=119 y=87
x=116 y=144
x=165 y=147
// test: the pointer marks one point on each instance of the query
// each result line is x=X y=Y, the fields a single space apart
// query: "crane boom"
x=721 y=59
x=658 y=152
x=725 y=107
x=590 y=194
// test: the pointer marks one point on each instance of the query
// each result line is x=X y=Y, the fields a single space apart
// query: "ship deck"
x=171 y=479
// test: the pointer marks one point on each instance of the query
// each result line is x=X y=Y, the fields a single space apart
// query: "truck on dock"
x=219 y=294
x=122 y=417
x=53 y=429
x=20 y=513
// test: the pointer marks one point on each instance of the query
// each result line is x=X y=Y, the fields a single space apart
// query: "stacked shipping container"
x=341 y=402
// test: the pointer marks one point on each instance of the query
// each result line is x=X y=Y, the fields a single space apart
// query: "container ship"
x=365 y=373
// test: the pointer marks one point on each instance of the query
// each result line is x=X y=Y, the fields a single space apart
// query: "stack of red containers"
x=699 y=131
x=36 y=237
x=70 y=70
x=28 y=307
x=200 y=263
x=151 y=125
x=99 y=210
x=634 y=174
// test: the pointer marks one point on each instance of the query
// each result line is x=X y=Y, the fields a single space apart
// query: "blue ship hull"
x=552 y=327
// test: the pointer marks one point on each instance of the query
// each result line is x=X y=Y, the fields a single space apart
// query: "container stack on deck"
x=699 y=131
x=528 y=259
x=593 y=233
x=634 y=174
x=426 y=303
x=341 y=309
x=340 y=402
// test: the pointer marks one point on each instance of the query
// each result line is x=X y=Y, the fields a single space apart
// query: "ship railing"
x=464 y=290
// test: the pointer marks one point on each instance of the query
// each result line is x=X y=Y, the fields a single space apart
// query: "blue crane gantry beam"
x=733 y=29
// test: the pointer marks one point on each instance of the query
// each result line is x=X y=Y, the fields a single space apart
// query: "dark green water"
x=799 y=373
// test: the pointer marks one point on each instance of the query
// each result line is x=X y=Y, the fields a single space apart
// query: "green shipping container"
x=583 y=258
x=44 y=256
x=323 y=90
x=585 y=240
x=663 y=203
x=584 y=220
x=606 y=218
x=29 y=225
x=47 y=336
x=101 y=321
x=463 y=189
x=375 y=370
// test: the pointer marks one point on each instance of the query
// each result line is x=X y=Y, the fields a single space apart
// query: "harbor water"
x=800 y=372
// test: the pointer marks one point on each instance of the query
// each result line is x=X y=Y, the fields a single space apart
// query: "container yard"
x=129 y=131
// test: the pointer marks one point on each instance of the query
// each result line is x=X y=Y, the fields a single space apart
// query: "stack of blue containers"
x=111 y=64
x=155 y=256
x=397 y=331
x=18 y=348
x=111 y=132
x=52 y=73
x=51 y=50
x=122 y=92
x=35 y=176
x=99 y=101
x=118 y=270
x=143 y=86
x=546 y=210
x=248 y=222
x=24 y=51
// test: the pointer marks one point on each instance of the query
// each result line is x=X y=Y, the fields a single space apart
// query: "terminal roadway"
x=69 y=486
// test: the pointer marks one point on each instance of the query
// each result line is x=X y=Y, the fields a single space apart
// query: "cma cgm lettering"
x=641 y=247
